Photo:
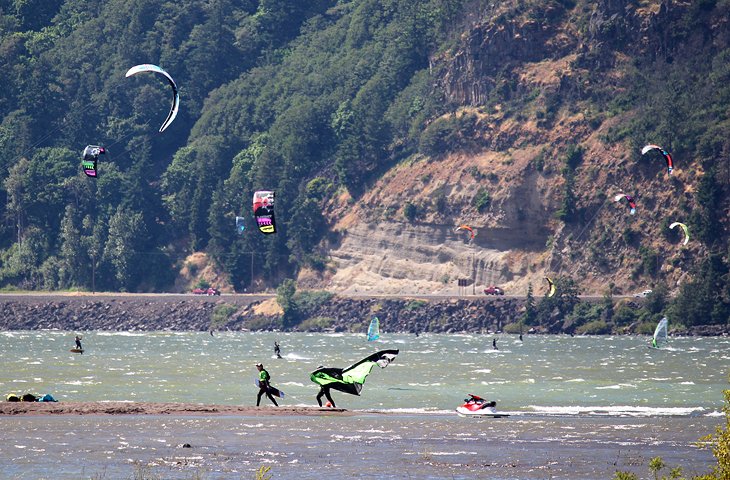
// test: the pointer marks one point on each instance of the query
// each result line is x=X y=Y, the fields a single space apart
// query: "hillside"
x=568 y=81
x=381 y=126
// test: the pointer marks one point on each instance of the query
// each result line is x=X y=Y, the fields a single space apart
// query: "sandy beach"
x=150 y=408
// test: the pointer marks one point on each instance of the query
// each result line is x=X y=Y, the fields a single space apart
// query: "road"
x=245 y=298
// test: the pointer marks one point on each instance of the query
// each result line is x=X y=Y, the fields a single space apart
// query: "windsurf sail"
x=351 y=379
x=660 y=334
x=374 y=329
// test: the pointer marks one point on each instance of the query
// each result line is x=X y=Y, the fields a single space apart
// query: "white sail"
x=660 y=334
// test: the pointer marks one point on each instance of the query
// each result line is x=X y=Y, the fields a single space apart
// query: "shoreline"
x=163 y=408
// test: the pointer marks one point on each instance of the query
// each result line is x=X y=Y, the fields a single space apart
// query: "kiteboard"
x=272 y=390
x=77 y=350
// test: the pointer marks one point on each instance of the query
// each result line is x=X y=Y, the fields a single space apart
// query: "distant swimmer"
x=277 y=350
x=264 y=385
x=494 y=344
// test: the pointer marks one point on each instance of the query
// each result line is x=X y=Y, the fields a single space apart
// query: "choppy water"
x=544 y=374
x=581 y=407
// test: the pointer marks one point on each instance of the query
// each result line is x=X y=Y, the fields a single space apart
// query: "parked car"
x=492 y=290
x=642 y=294
x=206 y=291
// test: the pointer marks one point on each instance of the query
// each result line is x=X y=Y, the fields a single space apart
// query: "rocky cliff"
x=532 y=80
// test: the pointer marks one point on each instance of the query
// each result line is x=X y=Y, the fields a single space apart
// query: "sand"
x=150 y=408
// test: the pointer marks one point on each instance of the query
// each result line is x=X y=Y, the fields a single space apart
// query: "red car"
x=206 y=291
x=492 y=290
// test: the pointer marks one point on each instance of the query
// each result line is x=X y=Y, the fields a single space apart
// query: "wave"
x=616 y=411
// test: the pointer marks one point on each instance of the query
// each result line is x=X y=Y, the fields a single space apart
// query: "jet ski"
x=476 y=406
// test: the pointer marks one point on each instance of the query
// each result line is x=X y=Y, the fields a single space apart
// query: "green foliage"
x=481 y=200
x=316 y=324
x=566 y=212
x=625 y=476
x=309 y=302
x=529 y=317
x=221 y=314
x=285 y=298
x=263 y=473
x=415 y=305
x=410 y=211
x=594 y=327
x=563 y=302
x=448 y=134
x=704 y=299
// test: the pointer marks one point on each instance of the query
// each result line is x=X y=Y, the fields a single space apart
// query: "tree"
x=73 y=256
x=285 y=298
x=530 y=314
x=125 y=228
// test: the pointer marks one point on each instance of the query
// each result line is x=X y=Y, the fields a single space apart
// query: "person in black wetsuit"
x=78 y=343
x=264 y=385
x=277 y=350
x=494 y=344
x=325 y=391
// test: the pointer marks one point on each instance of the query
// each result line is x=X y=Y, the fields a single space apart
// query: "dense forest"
x=312 y=99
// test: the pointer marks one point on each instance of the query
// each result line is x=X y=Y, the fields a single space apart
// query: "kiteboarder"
x=494 y=344
x=264 y=385
x=325 y=391
x=277 y=350
x=78 y=343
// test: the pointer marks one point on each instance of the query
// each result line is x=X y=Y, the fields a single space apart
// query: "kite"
x=684 y=228
x=240 y=225
x=665 y=154
x=91 y=158
x=263 y=210
x=629 y=199
x=175 y=96
x=471 y=231
x=551 y=287
x=351 y=379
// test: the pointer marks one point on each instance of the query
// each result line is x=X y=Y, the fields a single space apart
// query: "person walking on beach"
x=277 y=350
x=264 y=385
x=325 y=391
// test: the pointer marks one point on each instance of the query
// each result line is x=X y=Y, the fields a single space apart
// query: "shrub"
x=596 y=327
x=481 y=200
x=316 y=324
x=410 y=211
x=415 y=305
x=221 y=314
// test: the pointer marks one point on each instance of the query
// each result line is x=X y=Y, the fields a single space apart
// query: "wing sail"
x=351 y=379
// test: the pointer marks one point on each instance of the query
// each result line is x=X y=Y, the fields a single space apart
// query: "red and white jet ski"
x=475 y=406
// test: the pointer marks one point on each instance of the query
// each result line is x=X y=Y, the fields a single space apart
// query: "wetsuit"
x=325 y=391
x=264 y=388
x=277 y=350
